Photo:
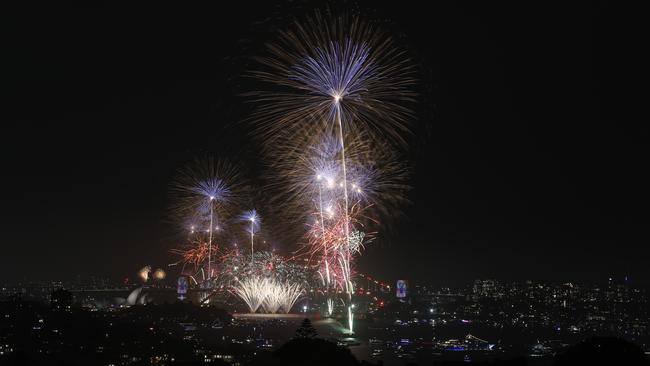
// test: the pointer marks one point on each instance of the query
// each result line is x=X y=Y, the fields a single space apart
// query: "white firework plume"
x=290 y=294
x=253 y=291
x=269 y=294
x=273 y=298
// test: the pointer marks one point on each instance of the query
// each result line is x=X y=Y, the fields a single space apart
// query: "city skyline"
x=527 y=323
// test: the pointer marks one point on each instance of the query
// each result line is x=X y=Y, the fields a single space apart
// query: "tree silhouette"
x=306 y=330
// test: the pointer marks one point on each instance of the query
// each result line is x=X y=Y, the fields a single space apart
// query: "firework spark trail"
x=193 y=254
x=346 y=252
x=329 y=245
x=255 y=223
x=322 y=225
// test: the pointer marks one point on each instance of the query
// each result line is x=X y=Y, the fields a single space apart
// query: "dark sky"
x=529 y=162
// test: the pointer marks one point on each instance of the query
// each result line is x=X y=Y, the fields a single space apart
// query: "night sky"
x=528 y=160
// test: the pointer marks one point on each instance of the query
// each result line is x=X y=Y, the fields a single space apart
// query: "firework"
x=263 y=264
x=268 y=294
x=253 y=291
x=273 y=297
x=193 y=254
x=330 y=68
x=144 y=273
x=377 y=182
x=204 y=194
x=336 y=77
x=265 y=281
x=332 y=122
x=313 y=177
x=291 y=292
x=281 y=296
x=159 y=274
